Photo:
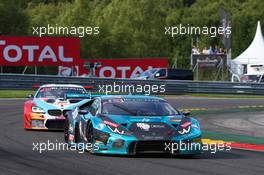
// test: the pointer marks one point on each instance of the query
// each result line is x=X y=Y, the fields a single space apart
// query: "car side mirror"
x=186 y=113
x=83 y=112
x=30 y=96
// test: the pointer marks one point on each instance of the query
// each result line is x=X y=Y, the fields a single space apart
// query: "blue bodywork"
x=130 y=134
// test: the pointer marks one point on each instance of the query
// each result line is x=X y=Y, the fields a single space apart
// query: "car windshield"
x=138 y=107
x=59 y=92
x=148 y=72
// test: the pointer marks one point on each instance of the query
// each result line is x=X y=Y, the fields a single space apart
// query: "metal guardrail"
x=173 y=87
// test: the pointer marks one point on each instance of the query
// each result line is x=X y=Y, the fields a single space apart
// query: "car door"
x=84 y=117
x=93 y=109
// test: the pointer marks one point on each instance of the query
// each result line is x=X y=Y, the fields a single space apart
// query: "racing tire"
x=66 y=130
x=77 y=136
x=89 y=134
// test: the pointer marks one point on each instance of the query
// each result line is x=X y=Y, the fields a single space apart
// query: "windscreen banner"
x=36 y=51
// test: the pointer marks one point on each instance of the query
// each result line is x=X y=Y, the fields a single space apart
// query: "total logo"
x=14 y=53
x=121 y=71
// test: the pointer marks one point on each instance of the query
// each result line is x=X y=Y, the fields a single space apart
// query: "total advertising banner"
x=121 y=68
x=39 y=51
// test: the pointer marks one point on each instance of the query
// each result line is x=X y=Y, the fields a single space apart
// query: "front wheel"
x=66 y=130
x=90 y=133
x=77 y=133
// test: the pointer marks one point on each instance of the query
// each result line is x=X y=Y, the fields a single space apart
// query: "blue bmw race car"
x=132 y=124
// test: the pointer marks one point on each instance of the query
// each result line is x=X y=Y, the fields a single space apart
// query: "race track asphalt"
x=17 y=155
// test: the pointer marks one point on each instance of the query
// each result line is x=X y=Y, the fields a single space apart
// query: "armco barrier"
x=26 y=82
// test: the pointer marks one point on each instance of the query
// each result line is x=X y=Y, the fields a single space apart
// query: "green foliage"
x=13 y=19
x=135 y=28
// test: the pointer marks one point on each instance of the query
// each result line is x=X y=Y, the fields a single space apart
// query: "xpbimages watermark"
x=122 y=88
x=80 y=31
x=196 y=30
x=42 y=147
x=172 y=147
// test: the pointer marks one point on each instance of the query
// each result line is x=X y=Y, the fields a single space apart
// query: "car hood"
x=149 y=127
x=47 y=103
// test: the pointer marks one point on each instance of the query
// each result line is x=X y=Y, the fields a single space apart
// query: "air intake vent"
x=175 y=125
x=55 y=112
x=124 y=125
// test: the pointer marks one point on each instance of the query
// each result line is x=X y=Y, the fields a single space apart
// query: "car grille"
x=175 y=125
x=147 y=146
x=57 y=112
x=55 y=124
x=65 y=111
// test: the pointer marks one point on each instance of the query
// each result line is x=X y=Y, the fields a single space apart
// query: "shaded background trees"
x=135 y=28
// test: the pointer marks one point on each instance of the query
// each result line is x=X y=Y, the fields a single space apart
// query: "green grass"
x=232 y=137
x=15 y=93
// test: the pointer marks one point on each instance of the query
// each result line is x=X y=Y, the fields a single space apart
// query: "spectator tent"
x=251 y=61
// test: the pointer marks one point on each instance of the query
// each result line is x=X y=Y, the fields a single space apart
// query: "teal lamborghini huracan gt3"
x=131 y=124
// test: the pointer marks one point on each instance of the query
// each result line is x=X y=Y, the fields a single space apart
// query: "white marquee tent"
x=254 y=54
x=251 y=61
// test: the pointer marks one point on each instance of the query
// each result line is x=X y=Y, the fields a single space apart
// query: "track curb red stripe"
x=237 y=145
x=247 y=146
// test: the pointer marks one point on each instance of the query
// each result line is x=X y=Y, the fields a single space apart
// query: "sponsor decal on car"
x=157 y=126
x=185 y=130
x=186 y=124
x=175 y=119
x=70 y=128
x=71 y=137
x=116 y=130
x=145 y=120
x=153 y=137
x=75 y=113
x=110 y=123
x=143 y=126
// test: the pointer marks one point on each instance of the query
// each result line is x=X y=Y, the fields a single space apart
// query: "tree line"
x=135 y=28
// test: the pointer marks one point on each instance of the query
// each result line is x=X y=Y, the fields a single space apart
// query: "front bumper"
x=41 y=122
x=131 y=146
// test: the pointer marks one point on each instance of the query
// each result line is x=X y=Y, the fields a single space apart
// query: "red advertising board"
x=124 y=68
x=39 y=51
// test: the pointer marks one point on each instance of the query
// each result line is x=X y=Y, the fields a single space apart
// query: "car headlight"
x=101 y=126
x=196 y=126
x=101 y=136
x=37 y=109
